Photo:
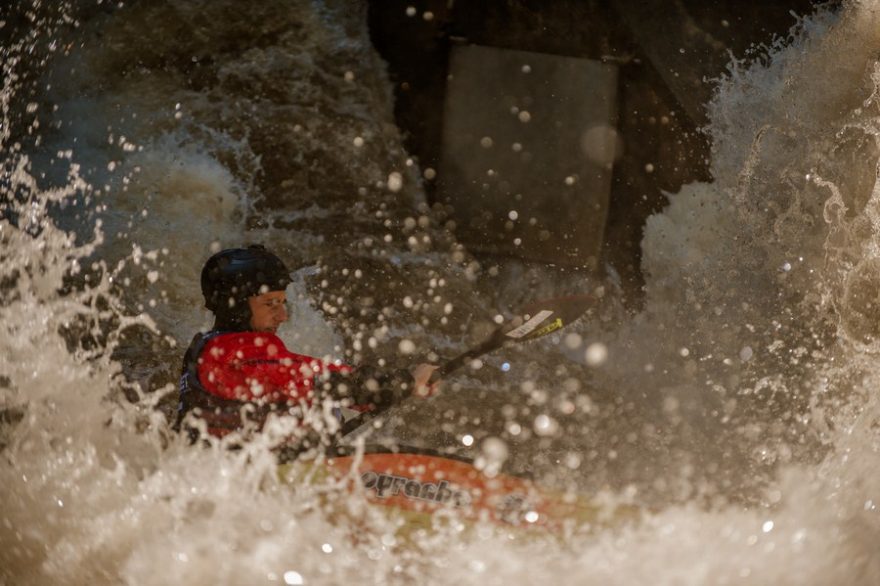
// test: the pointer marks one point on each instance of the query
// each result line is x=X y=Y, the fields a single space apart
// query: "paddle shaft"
x=449 y=367
x=534 y=322
x=493 y=343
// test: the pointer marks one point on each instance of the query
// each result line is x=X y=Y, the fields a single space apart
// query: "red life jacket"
x=230 y=378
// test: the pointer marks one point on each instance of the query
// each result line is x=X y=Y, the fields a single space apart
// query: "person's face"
x=268 y=311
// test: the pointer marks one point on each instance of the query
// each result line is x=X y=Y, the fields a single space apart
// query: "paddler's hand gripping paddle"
x=534 y=321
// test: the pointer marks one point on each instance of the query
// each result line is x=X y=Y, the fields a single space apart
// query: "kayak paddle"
x=536 y=320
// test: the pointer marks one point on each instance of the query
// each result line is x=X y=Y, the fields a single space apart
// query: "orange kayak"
x=418 y=484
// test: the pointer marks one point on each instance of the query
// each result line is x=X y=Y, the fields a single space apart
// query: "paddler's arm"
x=379 y=389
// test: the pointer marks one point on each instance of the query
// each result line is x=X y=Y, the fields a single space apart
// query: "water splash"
x=777 y=255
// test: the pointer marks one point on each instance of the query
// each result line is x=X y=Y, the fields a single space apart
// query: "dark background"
x=669 y=52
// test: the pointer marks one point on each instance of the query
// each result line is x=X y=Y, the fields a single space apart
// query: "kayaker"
x=240 y=371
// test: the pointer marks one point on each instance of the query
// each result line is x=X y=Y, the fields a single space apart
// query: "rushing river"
x=738 y=410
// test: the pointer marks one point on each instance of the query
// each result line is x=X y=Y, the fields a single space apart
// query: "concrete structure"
x=528 y=147
x=667 y=52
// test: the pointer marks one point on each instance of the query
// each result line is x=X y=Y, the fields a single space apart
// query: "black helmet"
x=231 y=276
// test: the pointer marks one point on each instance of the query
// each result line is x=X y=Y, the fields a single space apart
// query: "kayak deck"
x=418 y=484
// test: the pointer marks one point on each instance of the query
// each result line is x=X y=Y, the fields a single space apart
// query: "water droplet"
x=395 y=182
x=494 y=449
x=596 y=354
x=545 y=425
x=601 y=144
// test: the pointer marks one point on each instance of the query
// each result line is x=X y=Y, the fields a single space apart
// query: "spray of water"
x=754 y=356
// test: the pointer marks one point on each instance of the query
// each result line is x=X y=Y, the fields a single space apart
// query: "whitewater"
x=737 y=410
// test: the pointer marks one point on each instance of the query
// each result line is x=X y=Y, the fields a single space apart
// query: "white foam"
x=95 y=490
